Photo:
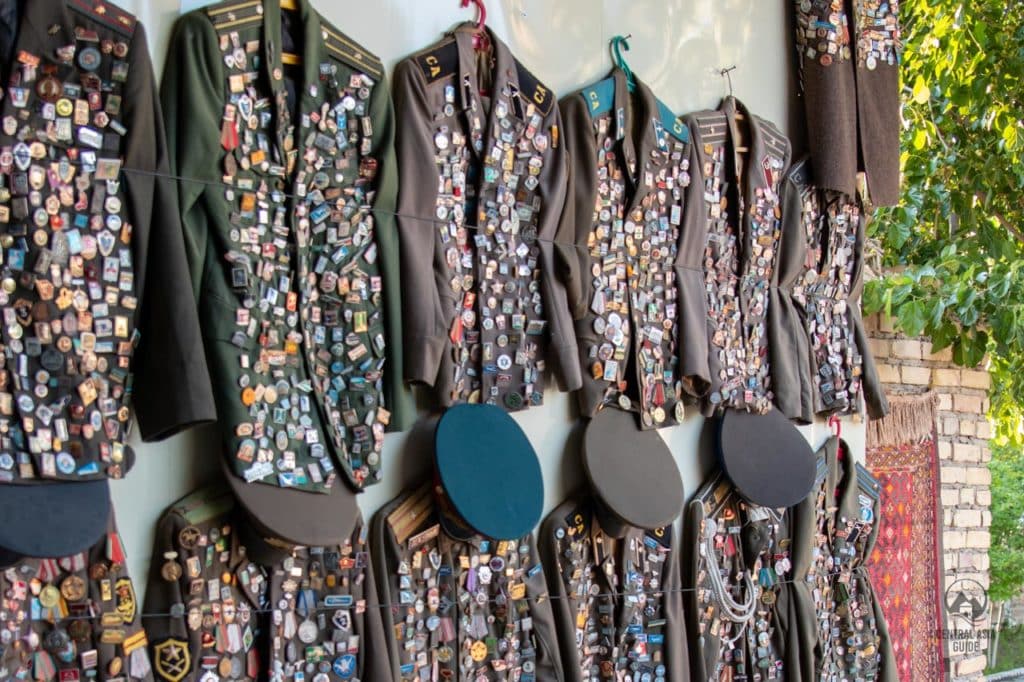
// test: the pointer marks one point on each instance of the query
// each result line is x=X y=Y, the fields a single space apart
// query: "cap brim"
x=489 y=470
x=297 y=517
x=53 y=520
x=632 y=471
x=766 y=457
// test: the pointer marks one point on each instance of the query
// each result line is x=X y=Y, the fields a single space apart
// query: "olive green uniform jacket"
x=287 y=182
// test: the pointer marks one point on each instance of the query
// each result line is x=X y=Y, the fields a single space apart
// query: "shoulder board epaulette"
x=673 y=123
x=821 y=472
x=600 y=97
x=108 y=14
x=534 y=91
x=577 y=521
x=346 y=50
x=710 y=123
x=867 y=482
x=440 y=61
x=205 y=504
x=800 y=174
x=776 y=140
x=228 y=16
x=661 y=536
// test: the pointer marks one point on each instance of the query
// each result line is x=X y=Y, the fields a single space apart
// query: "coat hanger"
x=726 y=73
x=617 y=45
x=481 y=41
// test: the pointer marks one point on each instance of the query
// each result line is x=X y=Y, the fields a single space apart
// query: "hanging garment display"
x=459 y=574
x=633 y=279
x=612 y=560
x=743 y=160
x=72 y=618
x=286 y=191
x=841 y=629
x=229 y=602
x=739 y=598
x=484 y=312
x=91 y=253
x=849 y=53
x=821 y=361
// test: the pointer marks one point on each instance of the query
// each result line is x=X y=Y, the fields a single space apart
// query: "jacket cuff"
x=568 y=366
x=423 y=358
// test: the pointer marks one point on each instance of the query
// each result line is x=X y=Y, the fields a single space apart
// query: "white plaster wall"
x=677 y=48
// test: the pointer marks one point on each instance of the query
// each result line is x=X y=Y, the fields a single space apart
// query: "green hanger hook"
x=620 y=43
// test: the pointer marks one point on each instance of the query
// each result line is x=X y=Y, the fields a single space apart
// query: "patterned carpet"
x=906 y=564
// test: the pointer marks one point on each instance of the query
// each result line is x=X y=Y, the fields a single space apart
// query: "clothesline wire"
x=400 y=606
x=281 y=193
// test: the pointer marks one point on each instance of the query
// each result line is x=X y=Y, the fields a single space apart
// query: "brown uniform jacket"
x=287 y=186
x=748 y=546
x=638 y=630
x=821 y=363
x=472 y=609
x=92 y=254
x=228 y=601
x=850 y=55
x=481 y=192
x=72 y=617
x=633 y=279
x=742 y=209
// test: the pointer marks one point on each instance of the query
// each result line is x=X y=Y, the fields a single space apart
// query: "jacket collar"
x=633 y=119
x=312 y=41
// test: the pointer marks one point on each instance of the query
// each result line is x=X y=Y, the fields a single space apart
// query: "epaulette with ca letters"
x=439 y=62
x=346 y=50
x=227 y=16
x=534 y=91
x=600 y=97
x=800 y=175
x=662 y=536
x=108 y=14
x=673 y=124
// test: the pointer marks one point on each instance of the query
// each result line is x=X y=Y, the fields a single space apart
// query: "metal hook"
x=726 y=73
x=617 y=45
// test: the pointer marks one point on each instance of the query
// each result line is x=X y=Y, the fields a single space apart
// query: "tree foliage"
x=1007 y=551
x=956 y=242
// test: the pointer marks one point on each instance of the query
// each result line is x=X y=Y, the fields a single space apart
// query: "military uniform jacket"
x=743 y=224
x=484 y=311
x=821 y=360
x=73 y=619
x=738 y=596
x=286 y=202
x=473 y=609
x=257 y=611
x=850 y=54
x=634 y=279
x=617 y=602
x=91 y=252
x=206 y=594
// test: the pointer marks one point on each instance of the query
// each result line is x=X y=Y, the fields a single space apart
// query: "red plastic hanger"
x=480 y=40
x=835 y=425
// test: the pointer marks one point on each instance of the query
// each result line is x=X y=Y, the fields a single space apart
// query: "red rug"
x=906 y=565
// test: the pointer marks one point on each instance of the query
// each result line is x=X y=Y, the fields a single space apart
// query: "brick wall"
x=907 y=366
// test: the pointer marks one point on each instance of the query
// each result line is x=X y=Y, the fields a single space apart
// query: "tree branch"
x=1000 y=218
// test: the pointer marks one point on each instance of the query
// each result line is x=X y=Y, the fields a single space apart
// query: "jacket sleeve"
x=693 y=308
x=381 y=544
x=172 y=385
x=874 y=397
x=375 y=663
x=787 y=334
x=577 y=215
x=424 y=322
x=398 y=397
x=677 y=652
x=162 y=596
x=561 y=607
x=549 y=659
x=552 y=191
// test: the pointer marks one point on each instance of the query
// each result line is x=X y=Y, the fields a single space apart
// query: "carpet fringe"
x=911 y=418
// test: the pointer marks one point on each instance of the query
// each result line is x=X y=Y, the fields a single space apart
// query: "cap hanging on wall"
x=632 y=473
x=51 y=520
x=489 y=471
x=766 y=457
